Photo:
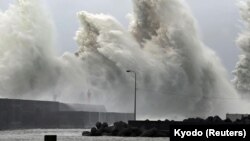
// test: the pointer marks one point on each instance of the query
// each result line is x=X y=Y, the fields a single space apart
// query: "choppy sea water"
x=62 y=135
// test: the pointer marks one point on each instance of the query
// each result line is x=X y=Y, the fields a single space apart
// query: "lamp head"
x=128 y=70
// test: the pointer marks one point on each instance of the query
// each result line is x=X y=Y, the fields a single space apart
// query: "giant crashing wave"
x=177 y=73
x=29 y=66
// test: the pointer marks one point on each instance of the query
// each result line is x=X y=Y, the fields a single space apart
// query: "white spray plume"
x=242 y=69
x=177 y=74
x=29 y=67
x=25 y=50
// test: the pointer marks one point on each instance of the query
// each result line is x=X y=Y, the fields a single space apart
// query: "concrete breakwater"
x=27 y=114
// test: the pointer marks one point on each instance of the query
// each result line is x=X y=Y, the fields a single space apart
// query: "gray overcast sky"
x=218 y=22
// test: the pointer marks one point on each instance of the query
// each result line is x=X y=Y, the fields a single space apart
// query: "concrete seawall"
x=25 y=114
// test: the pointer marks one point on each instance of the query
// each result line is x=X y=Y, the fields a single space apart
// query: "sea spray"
x=29 y=67
x=177 y=73
x=242 y=69
x=25 y=50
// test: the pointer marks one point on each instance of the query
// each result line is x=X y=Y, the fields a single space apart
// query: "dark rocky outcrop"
x=151 y=128
x=122 y=129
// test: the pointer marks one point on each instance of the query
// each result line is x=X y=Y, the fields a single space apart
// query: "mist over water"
x=177 y=74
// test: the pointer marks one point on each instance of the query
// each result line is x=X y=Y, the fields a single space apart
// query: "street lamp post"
x=135 y=93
